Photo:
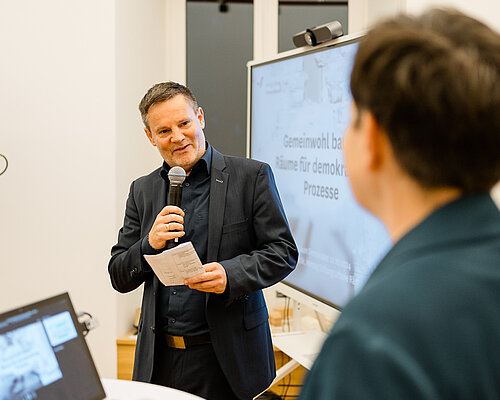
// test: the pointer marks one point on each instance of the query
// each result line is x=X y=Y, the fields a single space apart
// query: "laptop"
x=43 y=354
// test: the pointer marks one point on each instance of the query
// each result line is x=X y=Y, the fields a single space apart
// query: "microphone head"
x=176 y=175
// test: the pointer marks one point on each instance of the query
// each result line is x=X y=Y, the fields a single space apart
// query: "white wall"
x=364 y=13
x=487 y=11
x=71 y=77
x=265 y=28
x=57 y=130
x=175 y=40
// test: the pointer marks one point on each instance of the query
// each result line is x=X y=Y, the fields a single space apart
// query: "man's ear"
x=201 y=117
x=150 y=136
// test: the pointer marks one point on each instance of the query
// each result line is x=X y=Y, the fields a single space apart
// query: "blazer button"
x=153 y=329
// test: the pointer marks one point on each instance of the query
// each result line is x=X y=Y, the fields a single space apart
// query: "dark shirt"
x=181 y=310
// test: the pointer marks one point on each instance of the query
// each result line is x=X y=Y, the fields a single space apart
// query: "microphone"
x=176 y=176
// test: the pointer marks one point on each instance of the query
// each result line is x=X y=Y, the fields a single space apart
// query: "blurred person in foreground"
x=210 y=336
x=422 y=153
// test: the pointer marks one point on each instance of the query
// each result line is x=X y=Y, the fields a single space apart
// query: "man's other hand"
x=213 y=280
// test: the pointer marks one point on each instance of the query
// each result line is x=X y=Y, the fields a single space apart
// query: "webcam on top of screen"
x=318 y=34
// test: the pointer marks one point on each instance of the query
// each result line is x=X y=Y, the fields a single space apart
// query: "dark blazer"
x=427 y=323
x=249 y=235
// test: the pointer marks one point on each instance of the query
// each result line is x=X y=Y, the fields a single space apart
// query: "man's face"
x=177 y=131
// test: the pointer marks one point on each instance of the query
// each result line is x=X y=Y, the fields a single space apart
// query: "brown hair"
x=433 y=83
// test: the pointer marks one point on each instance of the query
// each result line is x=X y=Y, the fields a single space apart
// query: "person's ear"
x=201 y=117
x=150 y=136
x=376 y=140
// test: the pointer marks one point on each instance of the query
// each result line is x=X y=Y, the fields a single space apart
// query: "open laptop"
x=43 y=354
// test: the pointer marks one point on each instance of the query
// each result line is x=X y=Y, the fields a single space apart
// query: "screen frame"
x=297 y=293
x=301 y=51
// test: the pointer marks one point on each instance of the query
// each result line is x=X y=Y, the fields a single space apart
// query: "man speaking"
x=209 y=337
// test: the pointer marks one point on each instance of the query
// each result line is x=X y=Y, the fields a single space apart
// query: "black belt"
x=184 y=342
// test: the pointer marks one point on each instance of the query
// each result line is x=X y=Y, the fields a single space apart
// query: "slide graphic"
x=300 y=112
x=27 y=362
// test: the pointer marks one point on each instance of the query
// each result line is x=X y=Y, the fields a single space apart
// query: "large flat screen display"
x=299 y=112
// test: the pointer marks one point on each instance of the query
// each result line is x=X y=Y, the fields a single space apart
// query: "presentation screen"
x=299 y=112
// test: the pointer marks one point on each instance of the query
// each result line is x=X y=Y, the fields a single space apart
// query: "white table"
x=118 y=389
x=302 y=346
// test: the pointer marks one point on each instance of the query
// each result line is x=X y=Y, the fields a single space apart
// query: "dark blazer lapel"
x=218 y=189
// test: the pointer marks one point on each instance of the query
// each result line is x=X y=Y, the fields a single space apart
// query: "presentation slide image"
x=27 y=362
x=60 y=328
x=301 y=108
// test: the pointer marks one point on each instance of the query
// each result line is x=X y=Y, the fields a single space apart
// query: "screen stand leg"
x=285 y=370
x=297 y=315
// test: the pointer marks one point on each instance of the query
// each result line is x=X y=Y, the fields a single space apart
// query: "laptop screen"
x=43 y=354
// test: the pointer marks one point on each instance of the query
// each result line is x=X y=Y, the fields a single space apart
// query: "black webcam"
x=318 y=34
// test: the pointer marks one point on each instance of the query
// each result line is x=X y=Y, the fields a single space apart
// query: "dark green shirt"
x=427 y=323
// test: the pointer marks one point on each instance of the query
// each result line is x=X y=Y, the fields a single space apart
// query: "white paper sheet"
x=174 y=265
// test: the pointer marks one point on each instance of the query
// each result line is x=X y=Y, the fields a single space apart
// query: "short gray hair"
x=162 y=92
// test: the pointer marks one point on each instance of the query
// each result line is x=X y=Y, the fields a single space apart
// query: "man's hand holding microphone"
x=169 y=226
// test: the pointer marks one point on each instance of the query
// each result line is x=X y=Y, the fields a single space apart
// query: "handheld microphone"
x=176 y=176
